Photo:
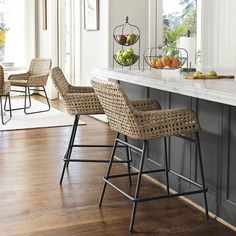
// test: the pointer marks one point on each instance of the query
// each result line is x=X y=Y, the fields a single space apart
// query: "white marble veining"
x=222 y=91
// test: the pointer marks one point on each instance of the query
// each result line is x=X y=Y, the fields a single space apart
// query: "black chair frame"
x=67 y=157
x=135 y=199
x=10 y=110
x=27 y=93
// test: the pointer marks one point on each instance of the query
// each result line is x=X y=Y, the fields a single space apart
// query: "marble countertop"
x=222 y=91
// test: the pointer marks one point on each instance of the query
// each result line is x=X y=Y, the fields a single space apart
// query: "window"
x=18 y=17
x=182 y=18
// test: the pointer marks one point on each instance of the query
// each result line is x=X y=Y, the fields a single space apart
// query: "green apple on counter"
x=198 y=73
x=212 y=73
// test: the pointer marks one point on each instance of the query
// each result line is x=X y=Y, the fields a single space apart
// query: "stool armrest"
x=5 y=87
x=23 y=76
x=168 y=122
x=80 y=89
x=82 y=103
x=146 y=104
x=37 y=80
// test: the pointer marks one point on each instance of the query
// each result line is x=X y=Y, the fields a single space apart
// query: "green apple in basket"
x=127 y=54
x=120 y=52
x=130 y=50
x=131 y=38
x=130 y=61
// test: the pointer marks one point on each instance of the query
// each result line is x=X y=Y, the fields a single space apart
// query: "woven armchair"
x=78 y=100
x=145 y=122
x=35 y=79
x=5 y=87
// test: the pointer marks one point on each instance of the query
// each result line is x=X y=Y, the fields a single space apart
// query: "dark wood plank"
x=33 y=203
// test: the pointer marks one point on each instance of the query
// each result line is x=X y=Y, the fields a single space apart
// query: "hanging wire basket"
x=165 y=57
x=127 y=37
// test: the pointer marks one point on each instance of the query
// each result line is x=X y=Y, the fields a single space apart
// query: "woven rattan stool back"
x=79 y=100
x=119 y=111
x=40 y=66
x=60 y=81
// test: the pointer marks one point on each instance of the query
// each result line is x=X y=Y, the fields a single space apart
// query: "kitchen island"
x=214 y=101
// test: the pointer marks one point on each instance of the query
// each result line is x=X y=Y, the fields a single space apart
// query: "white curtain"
x=20 y=38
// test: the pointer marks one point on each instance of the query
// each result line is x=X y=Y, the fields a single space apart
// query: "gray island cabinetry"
x=215 y=104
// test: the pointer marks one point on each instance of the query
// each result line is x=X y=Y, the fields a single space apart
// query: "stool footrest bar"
x=170 y=195
x=155 y=197
x=91 y=160
x=129 y=145
x=188 y=180
x=135 y=173
x=85 y=145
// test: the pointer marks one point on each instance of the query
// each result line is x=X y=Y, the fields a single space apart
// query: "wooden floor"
x=33 y=203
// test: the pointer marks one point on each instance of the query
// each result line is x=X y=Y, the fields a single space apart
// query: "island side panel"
x=227 y=203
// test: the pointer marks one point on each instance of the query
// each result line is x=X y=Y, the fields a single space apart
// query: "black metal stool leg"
x=128 y=155
x=19 y=108
x=2 y=109
x=72 y=139
x=70 y=146
x=138 y=186
x=202 y=173
x=25 y=100
x=109 y=169
x=29 y=99
x=46 y=97
x=166 y=167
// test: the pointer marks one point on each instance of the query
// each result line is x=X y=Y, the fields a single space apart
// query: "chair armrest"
x=146 y=104
x=81 y=89
x=5 y=87
x=82 y=103
x=163 y=123
x=37 y=80
x=23 y=76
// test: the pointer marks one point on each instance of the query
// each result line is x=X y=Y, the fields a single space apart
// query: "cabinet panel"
x=210 y=118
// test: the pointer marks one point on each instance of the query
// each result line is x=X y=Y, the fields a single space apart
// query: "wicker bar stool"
x=35 y=79
x=5 y=87
x=79 y=101
x=146 y=123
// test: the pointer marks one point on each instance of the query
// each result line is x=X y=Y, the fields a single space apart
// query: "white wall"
x=47 y=45
x=138 y=13
x=97 y=45
x=94 y=49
